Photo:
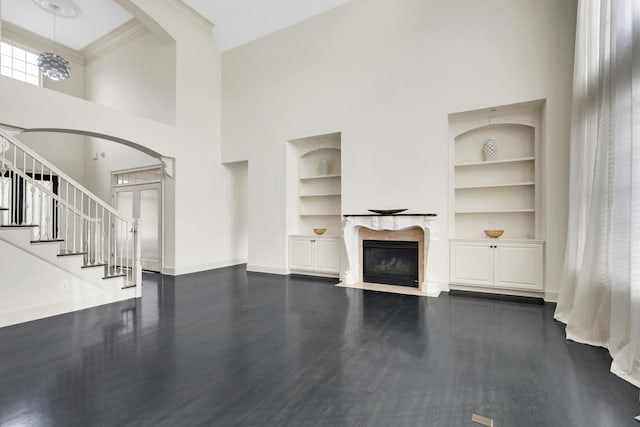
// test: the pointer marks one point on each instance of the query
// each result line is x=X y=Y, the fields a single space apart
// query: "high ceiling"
x=236 y=21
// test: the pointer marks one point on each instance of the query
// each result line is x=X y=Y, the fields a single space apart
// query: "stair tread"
x=94 y=265
x=18 y=225
x=71 y=253
x=128 y=286
x=47 y=241
x=113 y=276
x=3 y=209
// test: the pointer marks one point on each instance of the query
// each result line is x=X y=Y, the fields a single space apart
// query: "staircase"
x=51 y=224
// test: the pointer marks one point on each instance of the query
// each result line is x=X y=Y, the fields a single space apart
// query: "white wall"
x=138 y=77
x=240 y=208
x=66 y=152
x=116 y=157
x=32 y=288
x=387 y=74
x=204 y=190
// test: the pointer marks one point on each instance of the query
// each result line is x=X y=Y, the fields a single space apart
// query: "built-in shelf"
x=306 y=178
x=512 y=184
x=500 y=194
x=321 y=195
x=314 y=189
x=489 y=211
x=495 y=162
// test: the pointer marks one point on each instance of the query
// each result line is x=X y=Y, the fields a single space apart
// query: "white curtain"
x=600 y=294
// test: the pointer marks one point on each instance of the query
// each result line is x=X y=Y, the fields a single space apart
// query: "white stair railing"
x=39 y=195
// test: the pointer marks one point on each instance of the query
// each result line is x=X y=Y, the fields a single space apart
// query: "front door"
x=144 y=201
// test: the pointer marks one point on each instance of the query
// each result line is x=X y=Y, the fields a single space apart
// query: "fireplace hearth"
x=391 y=262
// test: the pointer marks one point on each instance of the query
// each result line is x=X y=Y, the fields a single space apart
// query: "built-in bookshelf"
x=502 y=193
x=317 y=190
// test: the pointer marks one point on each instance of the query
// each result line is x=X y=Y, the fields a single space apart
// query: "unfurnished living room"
x=320 y=213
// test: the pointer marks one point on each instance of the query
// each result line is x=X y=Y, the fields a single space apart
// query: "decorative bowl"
x=386 y=211
x=494 y=234
x=319 y=231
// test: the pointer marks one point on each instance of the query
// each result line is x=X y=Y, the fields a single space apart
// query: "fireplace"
x=407 y=228
x=390 y=261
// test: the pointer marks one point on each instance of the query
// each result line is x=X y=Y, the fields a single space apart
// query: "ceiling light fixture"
x=51 y=65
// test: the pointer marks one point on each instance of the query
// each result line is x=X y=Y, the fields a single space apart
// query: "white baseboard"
x=267 y=269
x=177 y=271
x=551 y=296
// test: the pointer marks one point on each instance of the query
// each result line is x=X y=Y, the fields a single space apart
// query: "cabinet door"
x=471 y=263
x=518 y=266
x=328 y=255
x=300 y=254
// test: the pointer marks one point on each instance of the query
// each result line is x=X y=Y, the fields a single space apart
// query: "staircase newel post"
x=137 y=257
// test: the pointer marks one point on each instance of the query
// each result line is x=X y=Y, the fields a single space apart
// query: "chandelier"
x=50 y=64
x=54 y=66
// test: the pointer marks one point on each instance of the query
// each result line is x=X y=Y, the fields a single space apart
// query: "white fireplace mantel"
x=351 y=225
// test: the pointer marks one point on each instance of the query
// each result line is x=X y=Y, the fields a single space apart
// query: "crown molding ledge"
x=114 y=39
x=32 y=41
x=191 y=14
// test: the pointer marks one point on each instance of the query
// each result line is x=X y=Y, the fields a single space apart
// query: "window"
x=19 y=64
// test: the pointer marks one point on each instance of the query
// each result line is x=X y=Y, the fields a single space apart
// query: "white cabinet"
x=498 y=264
x=300 y=253
x=317 y=254
x=471 y=263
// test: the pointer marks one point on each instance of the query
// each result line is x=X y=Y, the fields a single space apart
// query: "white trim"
x=178 y=271
x=267 y=269
x=137 y=169
x=551 y=296
x=22 y=38
x=193 y=15
x=158 y=181
x=114 y=39
x=393 y=289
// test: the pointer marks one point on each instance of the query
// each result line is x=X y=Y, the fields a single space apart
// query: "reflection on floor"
x=229 y=348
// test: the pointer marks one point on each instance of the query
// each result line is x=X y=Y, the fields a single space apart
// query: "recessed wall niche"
x=314 y=202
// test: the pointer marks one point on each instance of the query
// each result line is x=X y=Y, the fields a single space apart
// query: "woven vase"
x=490 y=150
x=324 y=167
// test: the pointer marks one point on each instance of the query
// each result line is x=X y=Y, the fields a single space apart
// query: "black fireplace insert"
x=391 y=262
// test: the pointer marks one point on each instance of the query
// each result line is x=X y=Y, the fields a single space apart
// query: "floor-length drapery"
x=600 y=294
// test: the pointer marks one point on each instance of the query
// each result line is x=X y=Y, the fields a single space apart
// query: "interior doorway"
x=138 y=193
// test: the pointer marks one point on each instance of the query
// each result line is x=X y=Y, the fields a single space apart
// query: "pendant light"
x=50 y=64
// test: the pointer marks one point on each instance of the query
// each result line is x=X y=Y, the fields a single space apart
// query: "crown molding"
x=192 y=15
x=114 y=39
x=32 y=41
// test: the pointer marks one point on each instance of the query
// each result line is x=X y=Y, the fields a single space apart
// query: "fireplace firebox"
x=390 y=261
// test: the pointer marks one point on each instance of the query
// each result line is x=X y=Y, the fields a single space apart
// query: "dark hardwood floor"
x=227 y=348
